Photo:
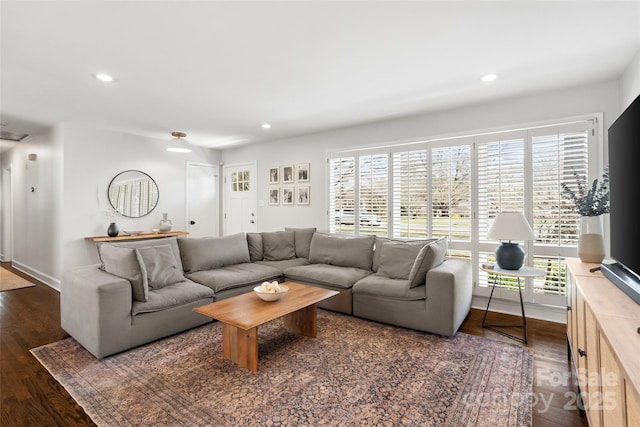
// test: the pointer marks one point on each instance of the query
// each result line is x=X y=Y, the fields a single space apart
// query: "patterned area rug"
x=355 y=373
x=10 y=281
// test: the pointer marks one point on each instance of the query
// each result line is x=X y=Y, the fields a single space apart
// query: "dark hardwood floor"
x=31 y=397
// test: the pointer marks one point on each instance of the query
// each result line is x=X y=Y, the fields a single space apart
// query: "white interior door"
x=241 y=199
x=202 y=200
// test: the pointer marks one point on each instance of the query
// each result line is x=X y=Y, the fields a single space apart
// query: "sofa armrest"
x=448 y=291
x=95 y=309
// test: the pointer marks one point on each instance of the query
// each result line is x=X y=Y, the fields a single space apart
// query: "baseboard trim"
x=38 y=275
x=533 y=311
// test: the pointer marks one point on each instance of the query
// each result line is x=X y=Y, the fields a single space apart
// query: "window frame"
x=476 y=245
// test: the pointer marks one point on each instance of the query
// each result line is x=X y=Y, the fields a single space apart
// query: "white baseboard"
x=44 y=278
x=534 y=311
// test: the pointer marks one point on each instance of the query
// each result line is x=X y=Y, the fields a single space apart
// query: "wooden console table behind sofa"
x=136 y=237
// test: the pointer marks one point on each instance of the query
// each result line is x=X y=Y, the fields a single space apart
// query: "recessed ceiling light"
x=266 y=126
x=489 y=77
x=104 y=77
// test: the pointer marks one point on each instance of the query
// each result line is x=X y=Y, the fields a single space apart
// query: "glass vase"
x=591 y=240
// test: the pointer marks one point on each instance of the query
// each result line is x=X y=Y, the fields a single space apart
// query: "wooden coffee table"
x=241 y=315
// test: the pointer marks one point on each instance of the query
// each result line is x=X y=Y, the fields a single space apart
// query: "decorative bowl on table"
x=133 y=232
x=270 y=291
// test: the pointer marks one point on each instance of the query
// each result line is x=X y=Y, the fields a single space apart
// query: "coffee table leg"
x=240 y=346
x=303 y=321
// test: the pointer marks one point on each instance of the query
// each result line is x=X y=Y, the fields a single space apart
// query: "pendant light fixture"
x=178 y=144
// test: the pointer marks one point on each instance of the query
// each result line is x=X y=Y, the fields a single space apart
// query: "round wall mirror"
x=133 y=193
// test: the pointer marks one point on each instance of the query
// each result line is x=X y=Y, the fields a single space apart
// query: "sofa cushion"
x=285 y=263
x=278 y=245
x=302 y=237
x=380 y=243
x=172 y=296
x=234 y=276
x=432 y=255
x=380 y=286
x=254 y=240
x=396 y=259
x=206 y=253
x=158 y=266
x=356 y=252
x=171 y=241
x=122 y=262
x=325 y=274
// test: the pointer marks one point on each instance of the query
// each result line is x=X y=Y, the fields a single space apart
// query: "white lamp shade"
x=510 y=226
x=179 y=145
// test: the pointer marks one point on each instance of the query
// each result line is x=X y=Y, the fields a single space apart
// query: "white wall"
x=600 y=97
x=36 y=213
x=630 y=83
x=74 y=166
x=92 y=157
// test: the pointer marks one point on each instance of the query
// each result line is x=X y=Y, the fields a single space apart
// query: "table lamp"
x=510 y=226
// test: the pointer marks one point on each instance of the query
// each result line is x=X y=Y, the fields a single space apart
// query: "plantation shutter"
x=501 y=187
x=558 y=153
x=501 y=176
x=451 y=192
x=342 y=184
x=373 y=185
x=410 y=190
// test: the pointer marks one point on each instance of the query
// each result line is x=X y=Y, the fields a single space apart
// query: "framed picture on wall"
x=274 y=175
x=287 y=196
x=287 y=174
x=304 y=196
x=274 y=196
x=303 y=172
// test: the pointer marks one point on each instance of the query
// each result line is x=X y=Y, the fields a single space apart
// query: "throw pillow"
x=158 y=266
x=254 y=240
x=122 y=262
x=279 y=245
x=430 y=256
x=171 y=241
x=396 y=259
x=302 y=238
x=381 y=240
x=207 y=253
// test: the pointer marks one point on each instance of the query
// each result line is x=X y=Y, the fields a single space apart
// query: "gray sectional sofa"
x=146 y=290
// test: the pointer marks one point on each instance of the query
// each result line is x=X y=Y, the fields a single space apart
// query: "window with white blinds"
x=373 y=185
x=501 y=176
x=451 y=211
x=410 y=194
x=455 y=187
x=556 y=155
x=342 y=193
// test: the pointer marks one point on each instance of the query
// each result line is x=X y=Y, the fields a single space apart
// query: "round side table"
x=523 y=272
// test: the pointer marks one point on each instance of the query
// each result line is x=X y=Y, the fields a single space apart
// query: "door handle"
x=252 y=222
x=192 y=222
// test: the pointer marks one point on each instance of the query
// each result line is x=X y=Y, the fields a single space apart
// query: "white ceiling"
x=218 y=69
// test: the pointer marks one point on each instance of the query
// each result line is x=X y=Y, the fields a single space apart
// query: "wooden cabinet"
x=602 y=331
x=632 y=406
x=612 y=410
x=594 y=401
